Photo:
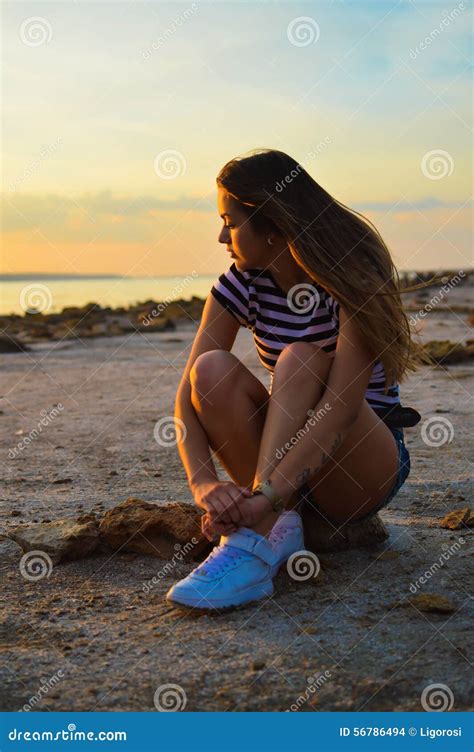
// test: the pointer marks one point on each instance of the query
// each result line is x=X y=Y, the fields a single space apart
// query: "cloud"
x=421 y=204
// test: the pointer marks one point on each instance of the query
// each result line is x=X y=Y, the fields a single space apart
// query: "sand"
x=93 y=638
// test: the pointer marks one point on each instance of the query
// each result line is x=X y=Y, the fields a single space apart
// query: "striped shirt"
x=257 y=302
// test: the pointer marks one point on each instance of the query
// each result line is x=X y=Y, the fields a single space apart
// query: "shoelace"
x=279 y=534
x=218 y=560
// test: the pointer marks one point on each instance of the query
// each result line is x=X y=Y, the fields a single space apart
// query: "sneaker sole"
x=245 y=597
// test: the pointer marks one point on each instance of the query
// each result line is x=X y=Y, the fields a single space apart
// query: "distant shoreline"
x=32 y=276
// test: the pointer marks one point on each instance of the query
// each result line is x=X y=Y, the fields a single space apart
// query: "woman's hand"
x=252 y=511
x=221 y=501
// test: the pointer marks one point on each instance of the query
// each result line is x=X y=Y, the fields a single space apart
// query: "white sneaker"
x=286 y=537
x=236 y=572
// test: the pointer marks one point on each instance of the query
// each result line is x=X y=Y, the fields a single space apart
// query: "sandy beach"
x=111 y=644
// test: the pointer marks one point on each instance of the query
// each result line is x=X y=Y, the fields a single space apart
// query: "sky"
x=117 y=117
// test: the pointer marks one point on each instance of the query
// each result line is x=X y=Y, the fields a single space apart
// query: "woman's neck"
x=287 y=273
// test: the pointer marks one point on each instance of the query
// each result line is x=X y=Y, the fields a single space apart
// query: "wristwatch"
x=266 y=488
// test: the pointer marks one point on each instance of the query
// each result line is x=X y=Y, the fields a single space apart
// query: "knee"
x=211 y=370
x=301 y=361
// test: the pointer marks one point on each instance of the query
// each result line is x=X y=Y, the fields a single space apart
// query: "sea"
x=52 y=293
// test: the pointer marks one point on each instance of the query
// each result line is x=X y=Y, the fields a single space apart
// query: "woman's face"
x=247 y=249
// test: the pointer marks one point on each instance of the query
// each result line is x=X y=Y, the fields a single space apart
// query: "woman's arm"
x=339 y=405
x=217 y=330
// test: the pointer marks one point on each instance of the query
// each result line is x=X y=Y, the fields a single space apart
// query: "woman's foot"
x=236 y=572
x=286 y=537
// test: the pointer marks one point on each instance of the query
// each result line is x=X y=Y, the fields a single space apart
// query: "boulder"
x=61 y=539
x=157 y=529
x=458 y=519
x=445 y=352
x=322 y=537
x=12 y=344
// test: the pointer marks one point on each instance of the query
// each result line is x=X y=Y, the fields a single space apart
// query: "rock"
x=161 y=530
x=388 y=554
x=322 y=537
x=12 y=344
x=443 y=351
x=458 y=519
x=432 y=603
x=62 y=539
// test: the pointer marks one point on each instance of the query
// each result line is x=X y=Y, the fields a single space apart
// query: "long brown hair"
x=337 y=247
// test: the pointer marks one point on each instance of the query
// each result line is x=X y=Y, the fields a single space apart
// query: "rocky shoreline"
x=150 y=316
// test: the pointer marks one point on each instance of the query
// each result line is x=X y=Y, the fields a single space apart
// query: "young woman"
x=315 y=283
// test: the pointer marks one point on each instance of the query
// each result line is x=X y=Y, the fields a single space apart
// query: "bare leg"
x=231 y=404
x=299 y=382
x=245 y=426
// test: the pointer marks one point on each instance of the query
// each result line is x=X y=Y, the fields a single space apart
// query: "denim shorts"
x=402 y=475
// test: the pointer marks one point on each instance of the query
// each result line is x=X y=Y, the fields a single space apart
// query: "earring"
x=269 y=241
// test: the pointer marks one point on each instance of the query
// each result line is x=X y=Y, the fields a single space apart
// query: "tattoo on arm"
x=302 y=477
